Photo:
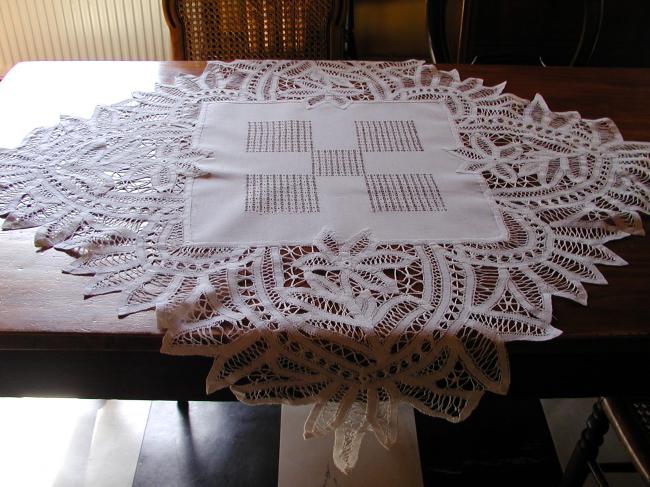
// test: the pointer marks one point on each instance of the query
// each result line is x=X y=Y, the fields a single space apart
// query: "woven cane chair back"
x=256 y=29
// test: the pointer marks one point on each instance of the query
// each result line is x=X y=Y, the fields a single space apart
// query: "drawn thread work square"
x=281 y=193
x=279 y=136
x=404 y=192
x=337 y=162
x=388 y=136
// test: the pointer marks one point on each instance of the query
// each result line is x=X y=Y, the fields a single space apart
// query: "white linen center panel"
x=281 y=172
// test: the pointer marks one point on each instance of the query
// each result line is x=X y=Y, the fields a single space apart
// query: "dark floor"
x=505 y=442
x=239 y=449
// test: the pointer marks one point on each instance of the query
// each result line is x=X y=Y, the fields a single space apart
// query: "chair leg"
x=586 y=450
x=350 y=50
x=599 y=475
x=183 y=407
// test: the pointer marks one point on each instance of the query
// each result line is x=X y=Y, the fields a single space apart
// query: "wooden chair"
x=514 y=31
x=630 y=418
x=256 y=29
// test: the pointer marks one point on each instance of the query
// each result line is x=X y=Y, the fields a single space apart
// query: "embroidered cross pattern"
x=279 y=136
x=337 y=162
x=298 y=193
x=388 y=136
x=281 y=193
x=404 y=192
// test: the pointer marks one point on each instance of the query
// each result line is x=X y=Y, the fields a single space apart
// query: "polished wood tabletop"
x=43 y=309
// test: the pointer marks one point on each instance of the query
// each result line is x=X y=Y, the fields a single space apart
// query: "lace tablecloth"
x=345 y=234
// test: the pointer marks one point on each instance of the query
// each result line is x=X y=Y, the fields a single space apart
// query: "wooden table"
x=52 y=342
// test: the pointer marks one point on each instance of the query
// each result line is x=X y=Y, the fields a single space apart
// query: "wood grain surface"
x=41 y=308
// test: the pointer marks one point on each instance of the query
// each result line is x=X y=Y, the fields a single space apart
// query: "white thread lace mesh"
x=351 y=327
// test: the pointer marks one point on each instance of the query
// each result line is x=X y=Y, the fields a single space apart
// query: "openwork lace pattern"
x=353 y=327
